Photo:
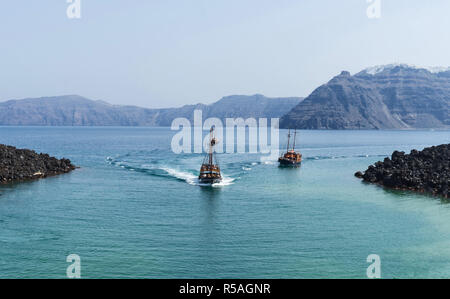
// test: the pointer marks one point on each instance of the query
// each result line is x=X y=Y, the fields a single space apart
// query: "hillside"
x=75 y=110
x=385 y=97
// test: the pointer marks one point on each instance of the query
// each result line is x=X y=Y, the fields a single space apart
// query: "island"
x=23 y=164
x=426 y=171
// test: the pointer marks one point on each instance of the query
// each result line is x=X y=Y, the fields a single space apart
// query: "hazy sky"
x=162 y=53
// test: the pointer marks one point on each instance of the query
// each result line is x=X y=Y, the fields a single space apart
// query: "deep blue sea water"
x=133 y=210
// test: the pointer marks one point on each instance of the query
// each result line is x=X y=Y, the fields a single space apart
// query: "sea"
x=134 y=209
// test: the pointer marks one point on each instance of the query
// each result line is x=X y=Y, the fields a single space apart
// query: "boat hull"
x=210 y=181
x=289 y=163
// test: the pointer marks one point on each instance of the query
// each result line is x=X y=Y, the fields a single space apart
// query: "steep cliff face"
x=390 y=97
x=78 y=111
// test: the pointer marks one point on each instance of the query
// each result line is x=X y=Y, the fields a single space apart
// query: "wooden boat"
x=291 y=158
x=210 y=170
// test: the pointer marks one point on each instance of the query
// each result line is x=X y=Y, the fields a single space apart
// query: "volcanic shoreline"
x=23 y=164
x=426 y=171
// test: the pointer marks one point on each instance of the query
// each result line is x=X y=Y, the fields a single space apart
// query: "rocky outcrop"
x=75 y=110
x=387 y=97
x=426 y=171
x=22 y=164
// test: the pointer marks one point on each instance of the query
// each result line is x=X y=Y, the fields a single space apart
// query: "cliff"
x=386 y=97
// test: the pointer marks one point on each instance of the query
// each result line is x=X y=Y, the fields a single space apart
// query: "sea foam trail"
x=167 y=172
x=193 y=179
x=181 y=175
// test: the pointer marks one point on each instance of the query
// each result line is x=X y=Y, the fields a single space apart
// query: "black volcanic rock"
x=22 y=164
x=389 y=97
x=78 y=111
x=426 y=171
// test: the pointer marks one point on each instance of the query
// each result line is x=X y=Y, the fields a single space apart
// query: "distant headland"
x=74 y=110
x=396 y=96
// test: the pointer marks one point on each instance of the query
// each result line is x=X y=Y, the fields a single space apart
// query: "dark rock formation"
x=388 y=97
x=22 y=164
x=78 y=111
x=426 y=171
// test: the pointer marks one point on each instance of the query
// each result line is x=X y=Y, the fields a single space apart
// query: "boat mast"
x=289 y=137
x=211 y=146
x=295 y=138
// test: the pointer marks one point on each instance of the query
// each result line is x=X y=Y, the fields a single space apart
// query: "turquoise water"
x=133 y=209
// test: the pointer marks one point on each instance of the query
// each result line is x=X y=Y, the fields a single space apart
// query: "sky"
x=168 y=53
